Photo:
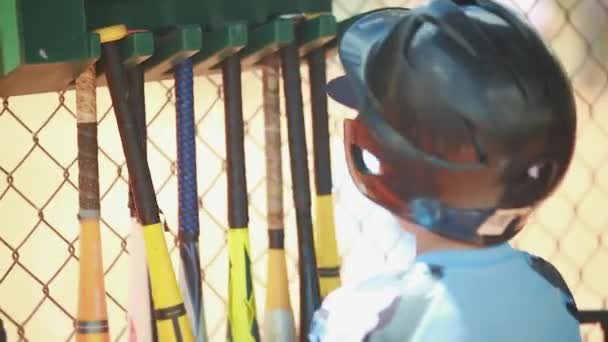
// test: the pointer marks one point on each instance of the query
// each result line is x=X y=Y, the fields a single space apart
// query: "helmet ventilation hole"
x=365 y=161
x=534 y=171
x=371 y=162
x=541 y=171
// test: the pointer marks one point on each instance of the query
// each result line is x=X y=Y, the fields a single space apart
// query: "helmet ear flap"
x=351 y=149
x=358 y=145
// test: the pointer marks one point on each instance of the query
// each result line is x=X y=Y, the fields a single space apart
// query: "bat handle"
x=3 y=336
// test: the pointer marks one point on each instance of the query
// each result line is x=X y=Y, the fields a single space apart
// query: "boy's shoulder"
x=355 y=311
x=546 y=270
x=391 y=305
x=553 y=277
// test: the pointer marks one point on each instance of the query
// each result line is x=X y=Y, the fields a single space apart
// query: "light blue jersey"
x=496 y=294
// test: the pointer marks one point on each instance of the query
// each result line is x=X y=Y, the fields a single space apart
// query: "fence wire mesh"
x=39 y=199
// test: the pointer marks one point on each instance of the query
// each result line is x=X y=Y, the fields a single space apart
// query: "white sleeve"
x=351 y=312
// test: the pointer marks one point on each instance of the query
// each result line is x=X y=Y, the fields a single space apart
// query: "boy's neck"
x=430 y=242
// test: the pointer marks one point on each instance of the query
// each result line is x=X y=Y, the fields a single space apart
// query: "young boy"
x=472 y=121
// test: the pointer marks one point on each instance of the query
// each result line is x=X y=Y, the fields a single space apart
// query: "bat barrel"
x=309 y=286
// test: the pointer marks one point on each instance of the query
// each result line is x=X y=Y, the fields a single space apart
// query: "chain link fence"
x=39 y=199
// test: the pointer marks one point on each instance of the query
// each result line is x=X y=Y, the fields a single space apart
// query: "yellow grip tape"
x=313 y=15
x=111 y=33
x=241 y=298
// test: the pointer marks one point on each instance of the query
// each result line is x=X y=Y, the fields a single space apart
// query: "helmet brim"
x=357 y=44
x=340 y=90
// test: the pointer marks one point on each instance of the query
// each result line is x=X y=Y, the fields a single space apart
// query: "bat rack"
x=45 y=45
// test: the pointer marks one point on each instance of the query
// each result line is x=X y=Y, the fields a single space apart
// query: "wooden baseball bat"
x=92 y=316
x=328 y=260
x=242 y=321
x=279 y=323
x=141 y=325
x=310 y=298
x=172 y=323
x=188 y=232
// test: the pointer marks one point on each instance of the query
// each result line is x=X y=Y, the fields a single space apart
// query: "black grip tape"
x=137 y=102
x=238 y=216
x=137 y=165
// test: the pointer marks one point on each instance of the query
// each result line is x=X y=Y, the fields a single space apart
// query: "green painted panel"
x=10 y=37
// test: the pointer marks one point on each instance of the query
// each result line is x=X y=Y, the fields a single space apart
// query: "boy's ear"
x=340 y=90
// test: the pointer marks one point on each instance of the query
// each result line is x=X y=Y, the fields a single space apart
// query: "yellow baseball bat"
x=169 y=310
x=328 y=260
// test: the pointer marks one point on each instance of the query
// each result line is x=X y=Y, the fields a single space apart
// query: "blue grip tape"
x=186 y=151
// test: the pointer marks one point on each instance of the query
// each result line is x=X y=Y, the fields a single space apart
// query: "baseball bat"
x=188 y=232
x=169 y=312
x=242 y=320
x=310 y=298
x=328 y=261
x=92 y=317
x=2 y=332
x=279 y=321
x=139 y=311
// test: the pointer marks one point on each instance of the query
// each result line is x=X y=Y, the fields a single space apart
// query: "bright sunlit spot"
x=371 y=162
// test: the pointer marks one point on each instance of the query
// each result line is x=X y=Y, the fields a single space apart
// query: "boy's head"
x=471 y=118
